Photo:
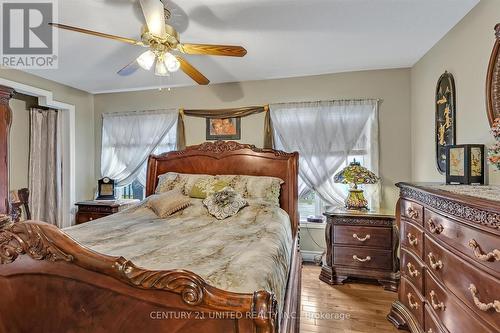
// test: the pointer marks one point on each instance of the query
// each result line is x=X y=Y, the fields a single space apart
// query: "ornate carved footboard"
x=49 y=283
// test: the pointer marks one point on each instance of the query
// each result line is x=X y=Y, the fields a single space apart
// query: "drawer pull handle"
x=412 y=270
x=435 y=264
x=483 y=306
x=433 y=228
x=355 y=257
x=413 y=305
x=430 y=330
x=412 y=239
x=490 y=256
x=412 y=212
x=435 y=305
x=361 y=239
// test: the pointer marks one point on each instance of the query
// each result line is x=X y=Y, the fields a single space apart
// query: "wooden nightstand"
x=361 y=245
x=92 y=210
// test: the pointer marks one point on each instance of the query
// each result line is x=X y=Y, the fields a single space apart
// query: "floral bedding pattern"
x=244 y=253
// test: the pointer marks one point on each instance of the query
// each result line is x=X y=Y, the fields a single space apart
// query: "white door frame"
x=45 y=98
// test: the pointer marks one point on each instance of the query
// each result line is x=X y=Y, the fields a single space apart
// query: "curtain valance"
x=225 y=113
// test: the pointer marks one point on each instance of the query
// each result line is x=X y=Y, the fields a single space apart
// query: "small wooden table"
x=361 y=245
x=95 y=209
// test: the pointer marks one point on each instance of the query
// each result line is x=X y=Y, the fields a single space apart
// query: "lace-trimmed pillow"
x=167 y=203
x=224 y=203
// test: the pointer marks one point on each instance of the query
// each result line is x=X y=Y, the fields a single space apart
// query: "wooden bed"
x=50 y=283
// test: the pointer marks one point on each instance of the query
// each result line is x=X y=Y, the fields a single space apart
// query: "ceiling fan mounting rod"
x=158 y=43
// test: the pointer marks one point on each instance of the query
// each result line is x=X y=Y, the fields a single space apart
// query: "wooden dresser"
x=93 y=209
x=361 y=245
x=450 y=259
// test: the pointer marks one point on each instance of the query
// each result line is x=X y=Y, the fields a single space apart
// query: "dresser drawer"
x=412 y=299
x=482 y=247
x=412 y=268
x=378 y=237
x=431 y=322
x=362 y=257
x=412 y=210
x=465 y=281
x=412 y=238
x=456 y=317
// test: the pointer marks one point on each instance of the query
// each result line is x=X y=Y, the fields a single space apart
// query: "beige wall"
x=464 y=52
x=84 y=118
x=19 y=144
x=393 y=86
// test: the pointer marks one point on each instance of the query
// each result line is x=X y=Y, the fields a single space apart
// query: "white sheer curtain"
x=44 y=179
x=327 y=135
x=129 y=138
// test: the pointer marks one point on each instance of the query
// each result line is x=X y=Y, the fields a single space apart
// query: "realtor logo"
x=28 y=41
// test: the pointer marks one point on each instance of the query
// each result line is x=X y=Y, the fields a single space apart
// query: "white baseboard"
x=309 y=256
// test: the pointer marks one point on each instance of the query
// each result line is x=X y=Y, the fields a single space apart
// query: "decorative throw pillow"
x=167 y=203
x=224 y=203
x=206 y=186
x=263 y=188
x=173 y=180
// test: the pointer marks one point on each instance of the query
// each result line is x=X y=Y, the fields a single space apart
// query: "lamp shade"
x=354 y=173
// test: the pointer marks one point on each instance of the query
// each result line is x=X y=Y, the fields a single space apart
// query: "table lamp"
x=355 y=174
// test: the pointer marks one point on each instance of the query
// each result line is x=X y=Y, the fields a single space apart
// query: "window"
x=328 y=135
x=127 y=141
x=135 y=190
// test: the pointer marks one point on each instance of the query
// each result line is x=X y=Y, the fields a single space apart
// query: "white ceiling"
x=284 y=38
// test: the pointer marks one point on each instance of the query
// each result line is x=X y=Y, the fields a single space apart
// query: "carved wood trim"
x=493 y=80
x=42 y=241
x=458 y=210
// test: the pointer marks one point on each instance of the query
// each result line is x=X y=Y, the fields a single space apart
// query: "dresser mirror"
x=493 y=80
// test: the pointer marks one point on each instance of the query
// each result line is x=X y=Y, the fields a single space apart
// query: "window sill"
x=312 y=225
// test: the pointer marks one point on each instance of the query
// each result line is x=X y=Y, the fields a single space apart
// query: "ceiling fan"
x=161 y=39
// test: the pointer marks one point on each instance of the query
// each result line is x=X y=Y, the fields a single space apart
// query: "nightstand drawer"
x=362 y=257
x=82 y=217
x=363 y=236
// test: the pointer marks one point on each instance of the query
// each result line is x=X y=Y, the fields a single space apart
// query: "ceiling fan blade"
x=192 y=72
x=129 y=69
x=219 y=50
x=154 y=13
x=98 y=34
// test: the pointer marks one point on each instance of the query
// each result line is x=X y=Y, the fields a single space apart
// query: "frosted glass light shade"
x=171 y=62
x=146 y=60
x=161 y=68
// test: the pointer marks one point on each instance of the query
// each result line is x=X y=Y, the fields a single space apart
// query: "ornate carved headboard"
x=493 y=80
x=232 y=158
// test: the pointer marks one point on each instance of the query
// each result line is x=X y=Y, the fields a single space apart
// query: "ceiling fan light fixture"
x=161 y=68
x=171 y=62
x=146 y=60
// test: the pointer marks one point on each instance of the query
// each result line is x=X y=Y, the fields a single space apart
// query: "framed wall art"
x=493 y=81
x=223 y=128
x=445 y=130
x=466 y=164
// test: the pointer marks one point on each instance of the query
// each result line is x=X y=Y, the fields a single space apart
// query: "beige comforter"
x=244 y=253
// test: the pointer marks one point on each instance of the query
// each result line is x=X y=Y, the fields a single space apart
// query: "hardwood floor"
x=350 y=308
